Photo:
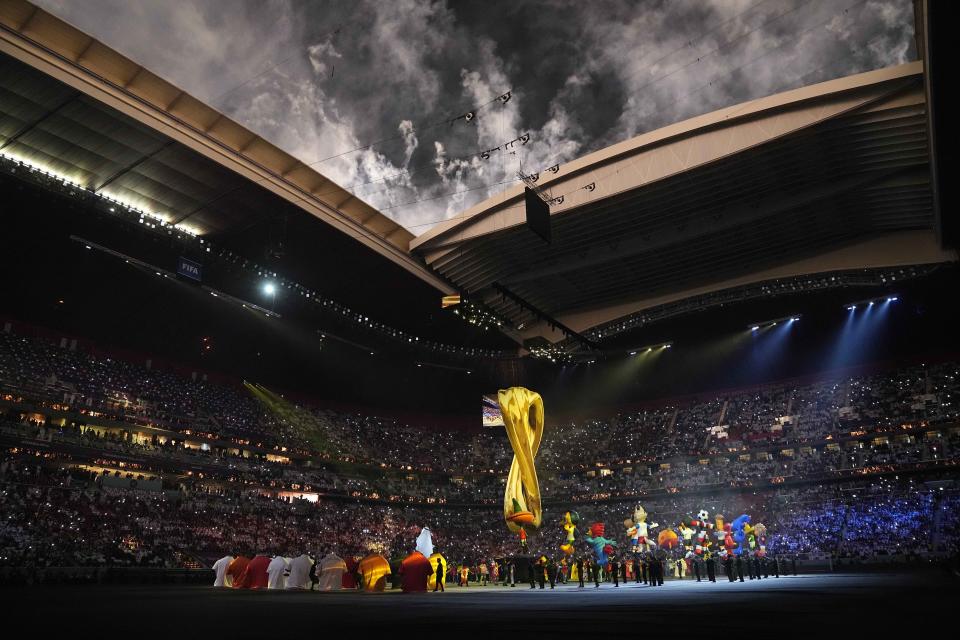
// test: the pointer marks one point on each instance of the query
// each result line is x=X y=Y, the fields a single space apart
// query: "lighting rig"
x=159 y=224
x=767 y=324
x=870 y=302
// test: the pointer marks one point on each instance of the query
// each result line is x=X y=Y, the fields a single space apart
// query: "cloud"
x=323 y=80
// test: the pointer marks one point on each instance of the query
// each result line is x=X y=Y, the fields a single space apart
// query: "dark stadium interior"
x=273 y=388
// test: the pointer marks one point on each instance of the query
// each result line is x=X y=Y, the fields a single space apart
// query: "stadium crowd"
x=209 y=467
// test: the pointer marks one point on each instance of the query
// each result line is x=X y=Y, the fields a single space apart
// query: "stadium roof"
x=72 y=105
x=823 y=178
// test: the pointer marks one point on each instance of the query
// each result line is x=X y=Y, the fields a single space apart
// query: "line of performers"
x=696 y=546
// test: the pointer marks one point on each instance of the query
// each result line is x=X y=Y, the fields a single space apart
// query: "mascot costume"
x=570 y=521
x=601 y=546
x=638 y=530
x=738 y=529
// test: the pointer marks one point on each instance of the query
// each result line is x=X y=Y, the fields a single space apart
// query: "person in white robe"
x=332 y=568
x=425 y=543
x=299 y=577
x=220 y=569
x=276 y=572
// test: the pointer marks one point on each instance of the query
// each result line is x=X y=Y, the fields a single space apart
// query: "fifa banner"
x=188 y=269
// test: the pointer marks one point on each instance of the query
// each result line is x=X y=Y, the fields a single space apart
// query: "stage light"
x=269 y=288
x=633 y=353
x=892 y=299
x=870 y=304
x=754 y=328
x=851 y=307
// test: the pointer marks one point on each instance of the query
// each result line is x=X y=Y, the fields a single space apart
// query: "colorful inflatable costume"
x=696 y=532
x=668 y=539
x=332 y=569
x=415 y=571
x=236 y=569
x=638 y=530
x=374 y=570
x=570 y=521
x=255 y=575
x=738 y=528
x=601 y=546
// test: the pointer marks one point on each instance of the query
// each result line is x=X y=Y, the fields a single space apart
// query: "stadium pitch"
x=786 y=606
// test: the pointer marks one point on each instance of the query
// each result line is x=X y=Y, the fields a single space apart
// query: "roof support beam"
x=133 y=165
x=32 y=125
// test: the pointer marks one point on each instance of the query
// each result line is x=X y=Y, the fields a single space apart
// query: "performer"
x=532 y=572
x=711 y=566
x=739 y=564
x=236 y=569
x=298 y=572
x=255 y=575
x=601 y=546
x=615 y=569
x=439 y=575
x=374 y=571
x=414 y=572
x=276 y=572
x=332 y=571
x=580 y=570
x=638 y=530
x=221 y=578
x=570 y=521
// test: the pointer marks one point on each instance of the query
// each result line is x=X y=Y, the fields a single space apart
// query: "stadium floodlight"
x=869 y=302
x=767 y=324
x=269 y=288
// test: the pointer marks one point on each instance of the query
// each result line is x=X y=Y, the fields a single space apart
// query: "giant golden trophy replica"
x=521 y=498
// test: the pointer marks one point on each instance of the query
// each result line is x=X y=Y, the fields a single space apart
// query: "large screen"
x=491 y=412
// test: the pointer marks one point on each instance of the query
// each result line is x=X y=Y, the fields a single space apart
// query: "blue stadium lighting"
x=852 y=307
x=892 y=299
x=754 y=328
